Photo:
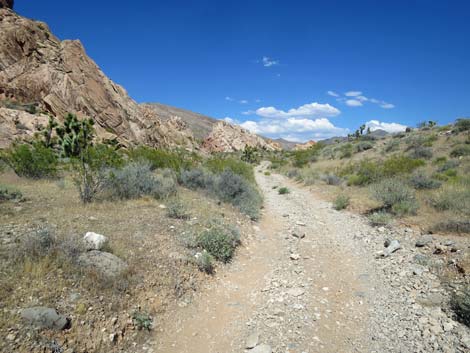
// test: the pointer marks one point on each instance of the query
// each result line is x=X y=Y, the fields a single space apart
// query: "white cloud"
x=298 y=129
x=243 y=101
x=249 y=112
x=257 y=100
x=268 y=62
x=306 y=110
x=332 y=93
x=353 y=103
x=387 y=105
x=230 y=120
x=389 y=127
x=230 y=99
x=353 y=93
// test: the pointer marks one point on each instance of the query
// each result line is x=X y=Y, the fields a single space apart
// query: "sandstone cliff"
x=58 y=76
x=226 y=137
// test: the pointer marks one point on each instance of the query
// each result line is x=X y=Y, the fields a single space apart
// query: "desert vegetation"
x=418 y=176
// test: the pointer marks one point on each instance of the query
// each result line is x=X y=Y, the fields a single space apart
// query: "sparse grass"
x=177 y=209
x=460 y=151
x=380 y=218
x=421 y=181
x=452 y=197
x=396 y=196
x=8 y=194
x=341 y=202
x=283 y=191
x=458 y=226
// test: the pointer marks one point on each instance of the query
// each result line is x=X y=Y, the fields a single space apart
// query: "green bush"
x=399 y=165
x=218 y=165
x=450 y=164
x=341 y=202
x=366 y=172
x=233 y=188
x=380 y=218
x=421 y=152
x=453 y=225
x=331 y=179
x=283 y=191
x=136 y=180
x=462 y=124
x=142 y=320
x=453 y=197
x=8 y=194
x=309 y=176
x=303 y=157
x=460 y=151
x=31 y=161
x=363 y=146
x=177 y=210
x=422 y=181
x=196 y=179
x=267 y=173
x=293 y=173
x=395 y=195
x=163 y=159
x=391 y=146
x=219 y=241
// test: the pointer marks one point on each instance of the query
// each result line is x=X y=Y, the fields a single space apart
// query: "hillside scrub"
x=395 y=196
x=219 y=164
x=163 y=159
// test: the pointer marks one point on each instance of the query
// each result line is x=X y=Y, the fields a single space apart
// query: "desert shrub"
x=391 y=146
x=303 y=157
x=233 y=188
x=136 y=180
x=176 y=209
x=283 y=191
x=331 y=179
x=452 y=225
x=460 y=151
x=218 y=165
x=421 y=152
x=366 y=172
x=453 y=197
x=219 y=241
x=395 y=195
x=345 y=151
x=267 y=173
x=8 y=194
x=196 y=179
x=205 y=262
x=142 y=320
x=31 y=161
x=341 y=202
x=162 y=159
x=398 y=165
x=462 y=124
x=460 y=303
x=450 y=164
x=422 y=181
x=380 y=218
x=309 y=176
x=293 y=173
x=37 y=244
x=363 y=146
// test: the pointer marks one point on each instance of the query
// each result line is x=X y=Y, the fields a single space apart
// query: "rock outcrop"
x=226 y=137
x=58 y=77
x=6 y=3
x=18 y=125
x=304 y=146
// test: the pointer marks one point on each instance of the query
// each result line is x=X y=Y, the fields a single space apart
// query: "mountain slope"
x=201 y=125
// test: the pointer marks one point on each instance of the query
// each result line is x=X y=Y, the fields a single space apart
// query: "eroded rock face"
x=304 y=146
x=36 y=67
x=226 y=137
x=19 y=125
x=6 y=3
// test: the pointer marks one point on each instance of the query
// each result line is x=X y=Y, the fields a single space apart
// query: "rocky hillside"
x=226 y=137
x=200 y=125
x=56 y=77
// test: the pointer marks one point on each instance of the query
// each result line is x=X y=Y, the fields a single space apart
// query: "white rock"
x=262 y=348
x=94 y=241
x=252 y=340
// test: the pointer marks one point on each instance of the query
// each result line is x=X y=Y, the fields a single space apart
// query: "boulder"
x=107 y=264
x=262 y=348
x=94 y=241
x=45 y=318
x=424 y=240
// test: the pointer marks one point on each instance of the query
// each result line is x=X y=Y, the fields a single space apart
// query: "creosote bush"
x=177 y=210
x=460 y=151
x=396 y=196
x=219 y=241
x=331 y=179
x=162 y=159
x=205 y=262
x=422 y=181
x=196 y=179
x=452 y=197
x=283 y=190
x=8 y=194
x=341 y=202
x=32 y=161
x=380 y=218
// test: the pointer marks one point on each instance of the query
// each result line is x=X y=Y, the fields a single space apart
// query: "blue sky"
x=269 y=65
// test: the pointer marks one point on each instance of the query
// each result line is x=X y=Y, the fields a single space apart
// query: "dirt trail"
x=297 y=287
x=311 y=280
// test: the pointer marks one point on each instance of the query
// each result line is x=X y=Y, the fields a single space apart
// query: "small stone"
x=294 y=257
x=11 y=337
x=296 y=292
x=94 y=241
x=393 y=246
x=252 y=340
x=43 y=317
x=113 y=337
x=424 y=240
